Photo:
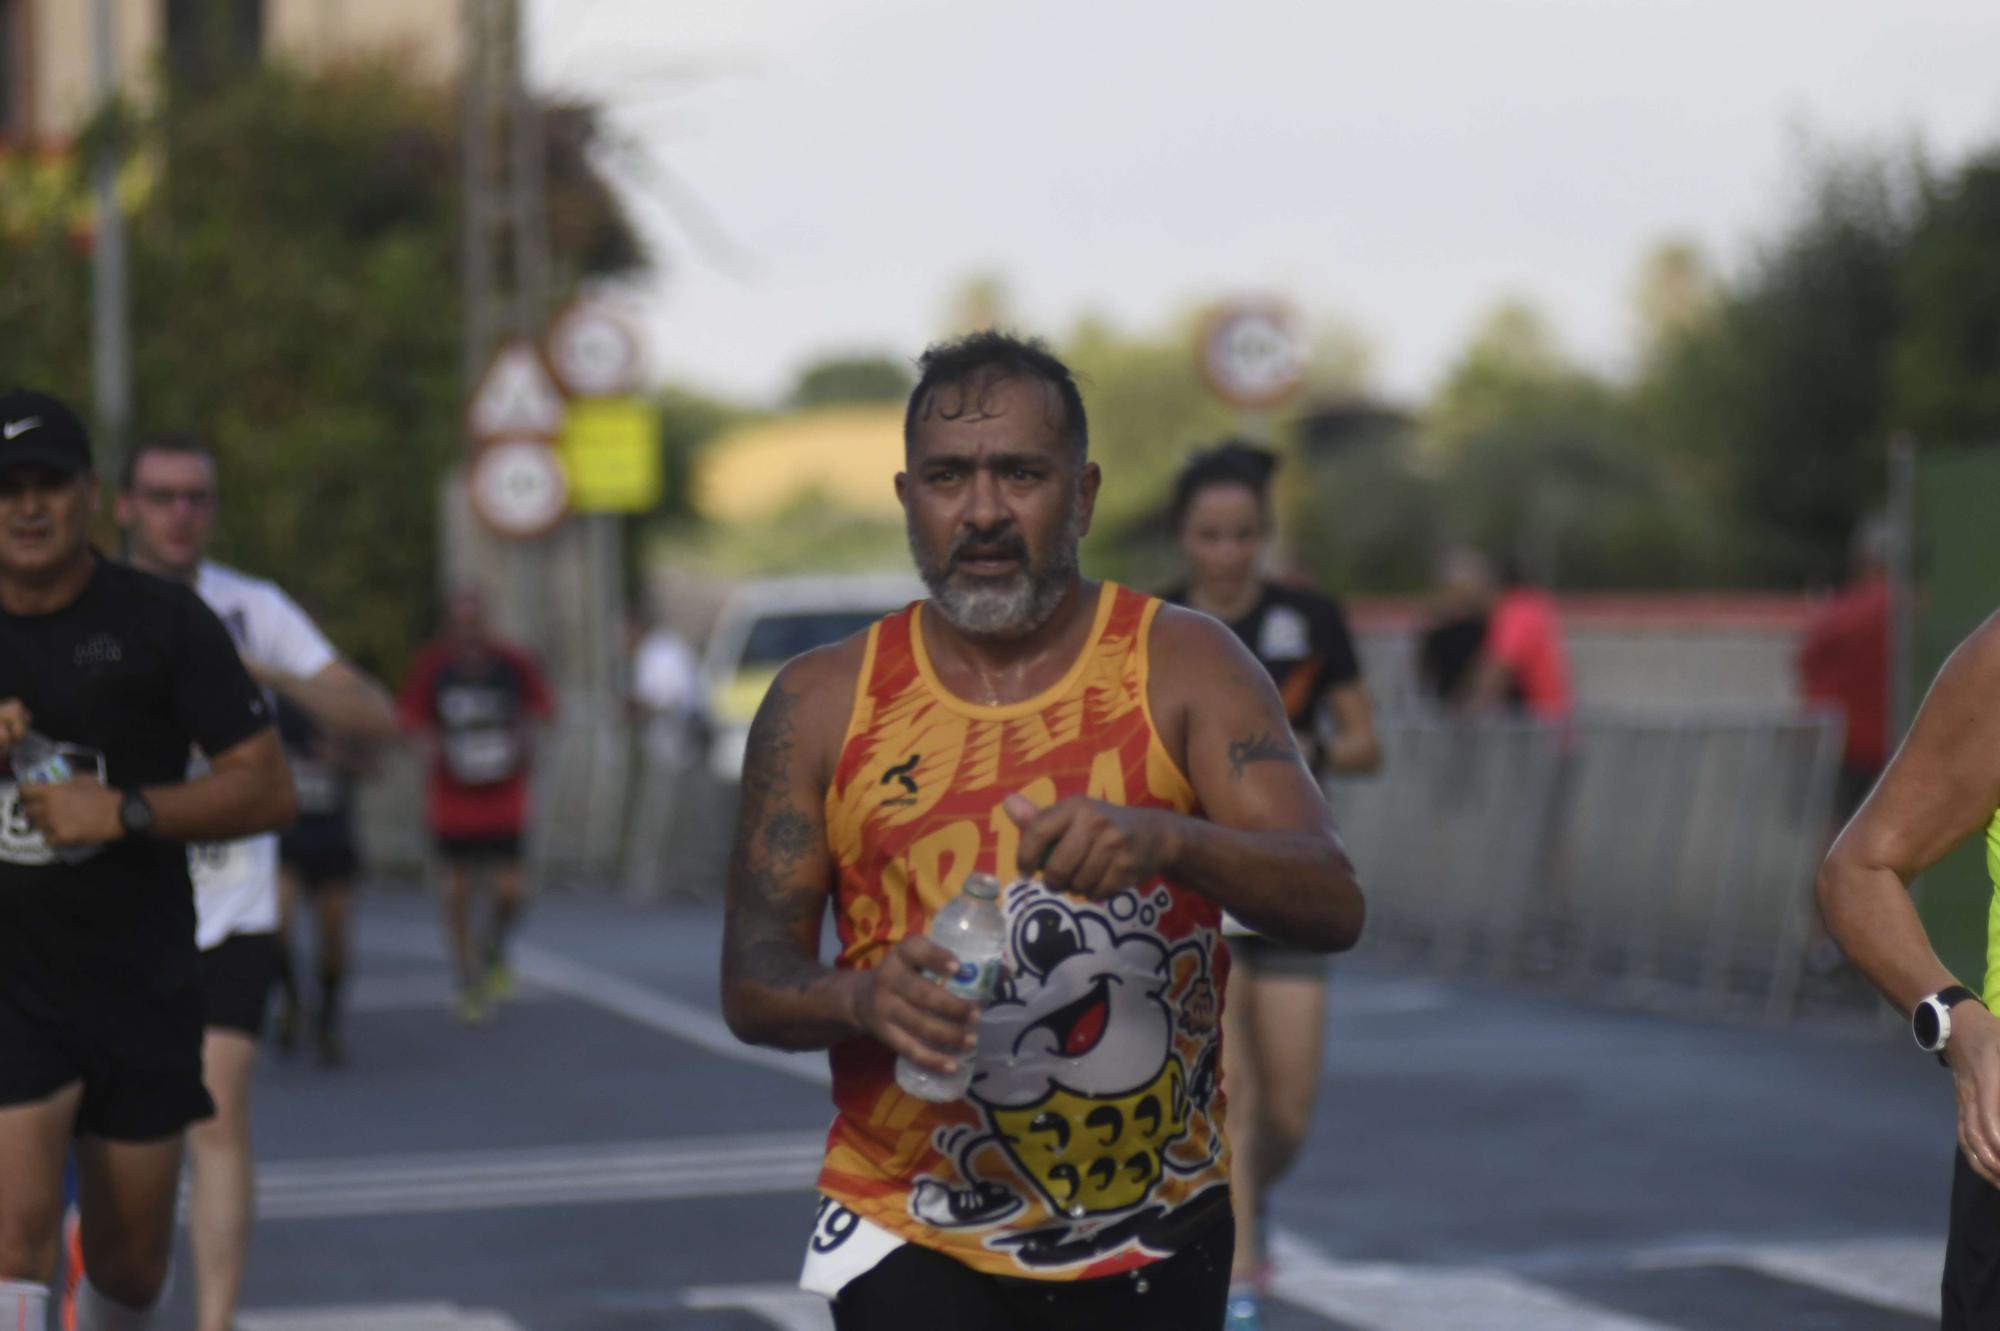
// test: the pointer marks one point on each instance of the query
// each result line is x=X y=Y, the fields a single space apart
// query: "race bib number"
x=20 y=843
x=482 y=757
x=214 y=864
x=317 y=785
x=843 y=1248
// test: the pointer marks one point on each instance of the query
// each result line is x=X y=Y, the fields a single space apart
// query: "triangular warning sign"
x=514 y=397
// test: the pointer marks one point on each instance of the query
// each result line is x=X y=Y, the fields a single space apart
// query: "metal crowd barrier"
x=1648 y=859
x=1656 y=860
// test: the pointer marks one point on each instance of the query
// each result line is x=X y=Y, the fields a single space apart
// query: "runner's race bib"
x=20 y=843
x=317 y=786
x=483 y=755
x=218 y=864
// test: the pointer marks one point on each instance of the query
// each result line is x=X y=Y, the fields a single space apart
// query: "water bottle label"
x=975 y=980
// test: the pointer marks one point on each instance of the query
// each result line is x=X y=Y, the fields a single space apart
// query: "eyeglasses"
x=166 y=497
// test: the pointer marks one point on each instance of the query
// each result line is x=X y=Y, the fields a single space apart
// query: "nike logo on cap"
x=13 y=428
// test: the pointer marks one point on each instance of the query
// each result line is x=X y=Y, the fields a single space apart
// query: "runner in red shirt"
x=1524 y=663
x=476 y=700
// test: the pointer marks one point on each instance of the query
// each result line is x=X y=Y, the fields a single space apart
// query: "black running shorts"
x=138 y=1056
x=236 y=979
x=1972 y=1253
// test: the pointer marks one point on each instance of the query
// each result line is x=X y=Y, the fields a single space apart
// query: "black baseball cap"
x=39 y=430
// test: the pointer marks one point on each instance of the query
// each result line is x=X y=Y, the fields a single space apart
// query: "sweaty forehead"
x=1016 y=413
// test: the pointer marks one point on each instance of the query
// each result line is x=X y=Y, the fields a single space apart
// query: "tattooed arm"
x=775 y=991
x=1264 y=847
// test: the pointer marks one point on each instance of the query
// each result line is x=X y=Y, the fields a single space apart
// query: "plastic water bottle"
x=972 y=928
x=38 y=760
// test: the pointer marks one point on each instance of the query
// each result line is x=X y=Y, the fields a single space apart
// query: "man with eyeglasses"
x=167 y=505
x=107 y=677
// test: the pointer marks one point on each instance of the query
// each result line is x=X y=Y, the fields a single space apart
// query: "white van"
x=765 y=624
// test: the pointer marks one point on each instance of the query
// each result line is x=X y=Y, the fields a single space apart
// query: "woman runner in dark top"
x=1274 y=1012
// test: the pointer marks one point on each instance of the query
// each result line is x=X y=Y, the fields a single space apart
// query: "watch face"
x=1924 y=1023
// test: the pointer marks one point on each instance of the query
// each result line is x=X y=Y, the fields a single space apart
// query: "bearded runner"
x=1116 y=750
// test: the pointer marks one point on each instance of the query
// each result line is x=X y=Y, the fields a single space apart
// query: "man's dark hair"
x=1231 y=462
x=977 y=363
x=185 y=444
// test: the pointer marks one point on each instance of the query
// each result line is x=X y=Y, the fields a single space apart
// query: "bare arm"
x=247 y=790
x=1266 y=851
x=1355 y=749
x=1943 y=785
x=775 y=991
x=338 y=697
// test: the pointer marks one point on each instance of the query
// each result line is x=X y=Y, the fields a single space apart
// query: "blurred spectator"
x=1843 y=663
x=1448 y=648
x=1523 y=664
x=666 y=693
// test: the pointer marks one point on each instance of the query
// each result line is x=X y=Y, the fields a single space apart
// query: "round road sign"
x=518 y=487
x=1252 y=356
x=594 y=352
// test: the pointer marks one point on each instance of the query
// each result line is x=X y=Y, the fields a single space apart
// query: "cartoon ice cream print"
x=1094 y=1076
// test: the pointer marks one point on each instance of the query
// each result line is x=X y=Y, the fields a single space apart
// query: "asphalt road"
x=602 y=1157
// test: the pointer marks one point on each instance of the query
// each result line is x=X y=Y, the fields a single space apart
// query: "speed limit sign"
x=1252 y=356
x=518 y=487
x=594 y=351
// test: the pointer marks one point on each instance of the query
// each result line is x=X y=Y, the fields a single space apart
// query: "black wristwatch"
x=1930 y=1020
x=134 y=814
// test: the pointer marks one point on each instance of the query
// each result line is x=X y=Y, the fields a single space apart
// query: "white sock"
x=23 y=1304
x=95 y=1312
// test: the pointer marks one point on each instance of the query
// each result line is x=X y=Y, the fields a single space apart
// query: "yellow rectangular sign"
x=611 y=449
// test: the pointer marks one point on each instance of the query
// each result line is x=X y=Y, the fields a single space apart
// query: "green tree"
x=1945 y=360
x=296 y=304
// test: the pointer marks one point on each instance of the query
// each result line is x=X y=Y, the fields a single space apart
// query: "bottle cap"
x=984 y=886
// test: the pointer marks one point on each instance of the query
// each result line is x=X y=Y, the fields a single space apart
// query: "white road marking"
x=378 y=1317
x=1383 y=1297
x=697 y=1026
x=1899 y=1274
x=508 y=1180
x=786 y=1307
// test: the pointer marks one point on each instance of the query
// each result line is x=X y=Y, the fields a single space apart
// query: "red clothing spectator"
x=479 y=704
x=1523 y=635
x=1843 y=662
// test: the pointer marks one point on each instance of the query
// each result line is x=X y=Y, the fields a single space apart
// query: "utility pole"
x=561 y=593
x=110 y=307
x=504 y=273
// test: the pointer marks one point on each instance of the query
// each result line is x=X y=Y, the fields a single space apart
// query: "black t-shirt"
x=1301 y=638
x=142 y=671
x=1446 y=654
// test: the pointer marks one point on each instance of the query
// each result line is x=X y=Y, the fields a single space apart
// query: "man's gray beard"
x=1004 y=611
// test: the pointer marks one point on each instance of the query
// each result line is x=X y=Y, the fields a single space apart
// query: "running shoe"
x=472 y=1007
x=499 y=982
x=1241 y=1314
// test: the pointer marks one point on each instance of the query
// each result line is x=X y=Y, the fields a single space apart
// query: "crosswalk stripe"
x=486 y=1181
x=1899 y=1274
x=380 y=1317
x=1383 y=1297
x=786 y=1307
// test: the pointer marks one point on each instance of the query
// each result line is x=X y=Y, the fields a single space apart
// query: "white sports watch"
x=1930 y=1020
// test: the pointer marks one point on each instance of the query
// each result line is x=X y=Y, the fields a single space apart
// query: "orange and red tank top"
x=1091 y=1141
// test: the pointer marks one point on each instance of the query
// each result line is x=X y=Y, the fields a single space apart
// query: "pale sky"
x=1402 y=165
